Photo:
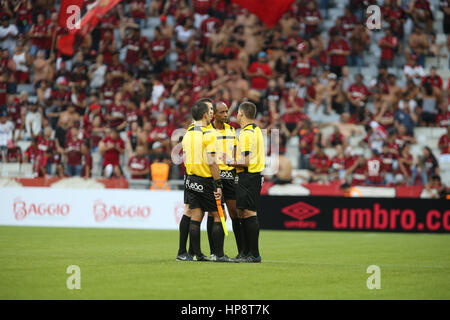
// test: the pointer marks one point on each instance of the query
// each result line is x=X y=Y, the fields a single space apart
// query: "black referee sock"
x=218 y=237
x=209 y=229
x=237 y=233
x=252 y=229
x=244 y=238
x=194 y=234
x=184 y=233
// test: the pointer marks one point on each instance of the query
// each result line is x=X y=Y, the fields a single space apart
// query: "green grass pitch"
x=140 y=264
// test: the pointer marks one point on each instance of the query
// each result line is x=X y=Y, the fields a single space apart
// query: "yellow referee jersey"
x=197 y=143
x=226 y=142
x=251 y=142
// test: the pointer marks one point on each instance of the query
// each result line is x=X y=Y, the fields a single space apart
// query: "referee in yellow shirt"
x=203 y=184
x=249 y=162
x=226 y=149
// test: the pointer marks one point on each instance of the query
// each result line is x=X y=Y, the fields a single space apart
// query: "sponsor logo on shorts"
x=228 y=175
x=194 y=186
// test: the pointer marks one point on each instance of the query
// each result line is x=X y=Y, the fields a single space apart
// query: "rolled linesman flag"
x=222 y=216
x=268 y=11
x=86 y=24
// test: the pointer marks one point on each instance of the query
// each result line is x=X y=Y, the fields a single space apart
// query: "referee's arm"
x=215 y=172
x=242 y=164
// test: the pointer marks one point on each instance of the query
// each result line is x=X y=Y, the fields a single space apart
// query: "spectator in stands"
x=6 y=134
x=260 y=73
x=435 y=189
x=184 y=32
x=445 y=7
x=116 y=113
x=8 y=34
x=319 y=164
x=405 y=172
x=389 y=46
x=403 y=116
x=40 y=33
x=284 y=173
x=307 y=141
x=139 y=164
x=46 y=147
x=157 y=154
x=336 y=138
x=376 y=136
x=430 y=103
x=389 y=163
x=444 y=146
x=73 y=153
x=291 y=108
x=42 y=68
x=111 y=147
x=159 y=50
x=414 y=71
x=335 y=94
x=338 y=164
x=22 y=62
x=418 y=43
x=410 y=95
x=426 y=166
x=359 y=40
x=403 y=136
x=97 y=73
x=86 y=160
x=357 y=170
x=311 y=18
x=420 y=11
x=33 y=121
x=357 y=95
x=338 y=50
x=375 y=172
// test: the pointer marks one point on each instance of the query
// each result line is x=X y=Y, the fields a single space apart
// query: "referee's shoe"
x=223 y=258
x=184 y=257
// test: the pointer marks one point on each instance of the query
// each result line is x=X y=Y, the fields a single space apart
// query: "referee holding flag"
x=249 y=164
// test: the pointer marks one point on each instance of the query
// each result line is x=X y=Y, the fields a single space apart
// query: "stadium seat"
x=330 y=152
x=96 y=164
x=28 y=88
x=149 y=33
x=23 y=144
x=445 y=177
x=10 y=169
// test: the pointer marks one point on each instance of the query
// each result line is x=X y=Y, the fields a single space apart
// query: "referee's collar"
x=250 y=124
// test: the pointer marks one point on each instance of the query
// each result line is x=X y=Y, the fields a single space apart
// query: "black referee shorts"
x=229 y=184
x=200 y=193
x=248 y=191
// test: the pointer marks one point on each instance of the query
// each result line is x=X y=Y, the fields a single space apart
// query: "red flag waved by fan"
x=268 y=11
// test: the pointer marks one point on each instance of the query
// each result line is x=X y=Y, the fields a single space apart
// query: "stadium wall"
x=144 y=209
x=101 y=208
x=355 y=214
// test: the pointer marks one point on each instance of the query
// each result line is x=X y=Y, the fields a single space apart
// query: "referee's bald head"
x=248 y=109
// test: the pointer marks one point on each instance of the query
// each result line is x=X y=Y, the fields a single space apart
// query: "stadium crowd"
x=132 y=80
